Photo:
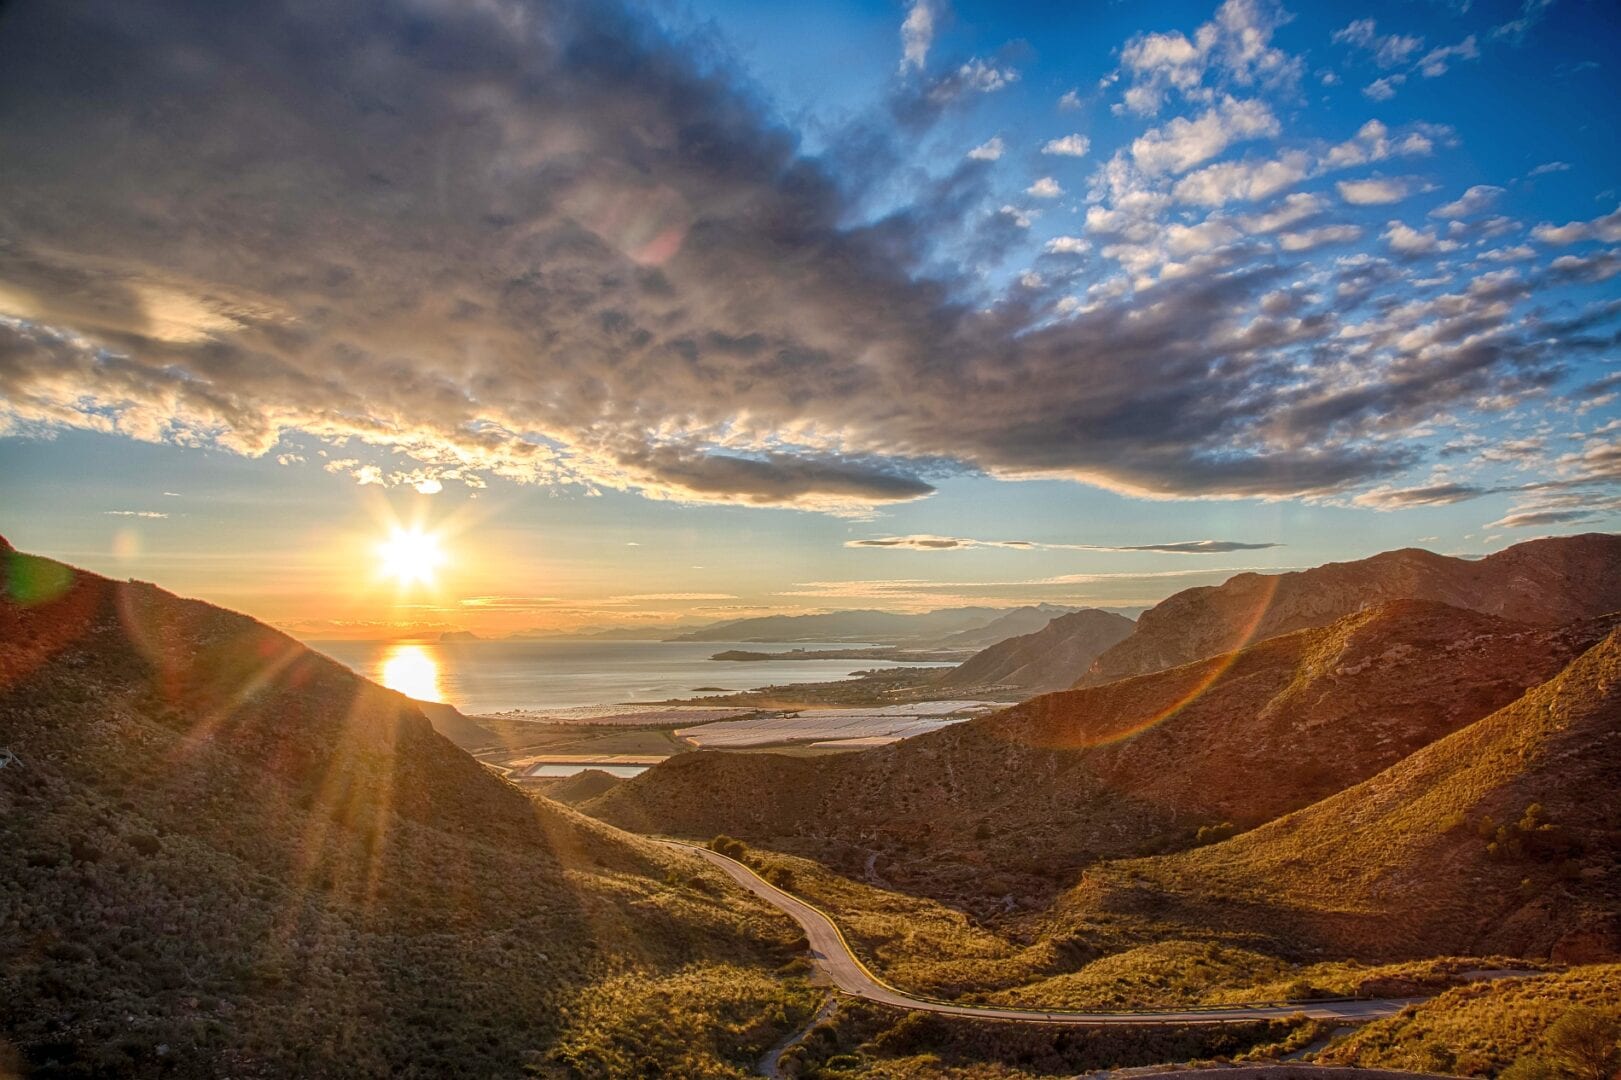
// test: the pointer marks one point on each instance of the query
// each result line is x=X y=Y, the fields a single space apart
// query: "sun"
x=410 y=556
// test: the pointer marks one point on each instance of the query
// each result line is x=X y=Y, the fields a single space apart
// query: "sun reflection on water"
x=413 y=670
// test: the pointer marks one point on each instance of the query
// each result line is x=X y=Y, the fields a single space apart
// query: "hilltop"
x=223 y=853
x=1500 y=838
x=1045 y=660
x=1012 y=807
x=1546 y=582
x=1016 y=623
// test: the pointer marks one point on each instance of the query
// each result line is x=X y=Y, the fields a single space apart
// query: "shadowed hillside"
x=1011 y=807
x=1501 y=838
x=223 y=853
x=1045 y=660
x=1547 y=582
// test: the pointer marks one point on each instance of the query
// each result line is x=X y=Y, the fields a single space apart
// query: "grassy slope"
x=224 y=853
x=1477 y=1030
x=1399 y=865
x=1019 y=803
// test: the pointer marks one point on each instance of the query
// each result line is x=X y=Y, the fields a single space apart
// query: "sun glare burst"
x=410 y=556
x=413 y=671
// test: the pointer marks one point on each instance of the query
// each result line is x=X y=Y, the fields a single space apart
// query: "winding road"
x=833 y=956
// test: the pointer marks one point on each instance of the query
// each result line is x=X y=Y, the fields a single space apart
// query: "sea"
x=483 y=677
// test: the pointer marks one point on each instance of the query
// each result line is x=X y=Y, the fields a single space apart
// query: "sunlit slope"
x=1046 y=659
x=1500 y=838
x=1016 y=804
x=223 y=853
x=1550 y=581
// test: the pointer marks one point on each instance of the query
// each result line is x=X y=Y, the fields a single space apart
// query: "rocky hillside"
x=1544 y=581
x=221 y=853
x=1016 y=623
x=1045 y=660
x=1502 y=838
x=1013 y=806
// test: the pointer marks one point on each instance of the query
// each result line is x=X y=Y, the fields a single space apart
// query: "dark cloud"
x=548 y=243
x=1388 y=498
x=1197 y=547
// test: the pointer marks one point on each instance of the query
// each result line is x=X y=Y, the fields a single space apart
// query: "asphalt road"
x=849 y=975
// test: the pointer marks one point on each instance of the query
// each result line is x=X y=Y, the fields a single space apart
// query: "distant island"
x=899 y=656
x=459 y=635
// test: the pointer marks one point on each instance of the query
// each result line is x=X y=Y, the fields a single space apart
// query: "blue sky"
x=659 y=323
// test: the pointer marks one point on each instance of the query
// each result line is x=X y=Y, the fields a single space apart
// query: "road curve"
x=832 y=954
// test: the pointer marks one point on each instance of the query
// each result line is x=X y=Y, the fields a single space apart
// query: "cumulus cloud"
x=1242 y=181
x=1315 y=238
x=1068 y=146
x=1606 y=228
x=1436 y=62
x=539 y=243
x=989 y=150
x=917 y=34
x=1067 y=245
x=1044 y=188
x=1181 y=144
x=1233 y=48
x=1476 y=200
x=1377 y=191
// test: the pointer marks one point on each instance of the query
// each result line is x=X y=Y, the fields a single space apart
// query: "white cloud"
x=1375 y=191
x=986 y=78
x=1019 y=216
x=1314 y=238
x=1067 y=245
x=1181 y=144
x=135 y=513
x=1388 y=50
x=1606 y=228
x=1383 y=89
x=1474 y=201
x=1241 y=181
x=989 y=150
x=1291 y=211
x=1550 y=167
x=1045 y=188
x=1070 y=101
x=1234 y=47
x=1405 y=240
x=1436 y=61
x=1068 y=146
x=917 y=34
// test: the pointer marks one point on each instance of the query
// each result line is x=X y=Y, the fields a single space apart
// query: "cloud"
x=917 y=34
x=541 y=244
x=926 y=542
x=1606 y=228
x=1290 y=211
x=1377 y=191
x=1234 y=48
x=1045 y=188
x=1316 y=238
x=1550 y=167
x=670 y=597
x=1240 y=181
x=135 y=513
x=1531 y=13
x=1436 y=61
x=1383 y=89
x=1385 y=497
x=1068 y=146
x=989 y=150
x=1181 y=144
x=1388 y=50
x=1067 y=245
x=1474 y=201
x=1529 y=518
x=1070 y=101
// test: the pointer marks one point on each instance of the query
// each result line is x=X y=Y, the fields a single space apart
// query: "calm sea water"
x=492 y=676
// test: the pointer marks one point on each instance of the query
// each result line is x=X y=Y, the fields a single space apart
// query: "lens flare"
x=413 y=671
x=410 y=556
